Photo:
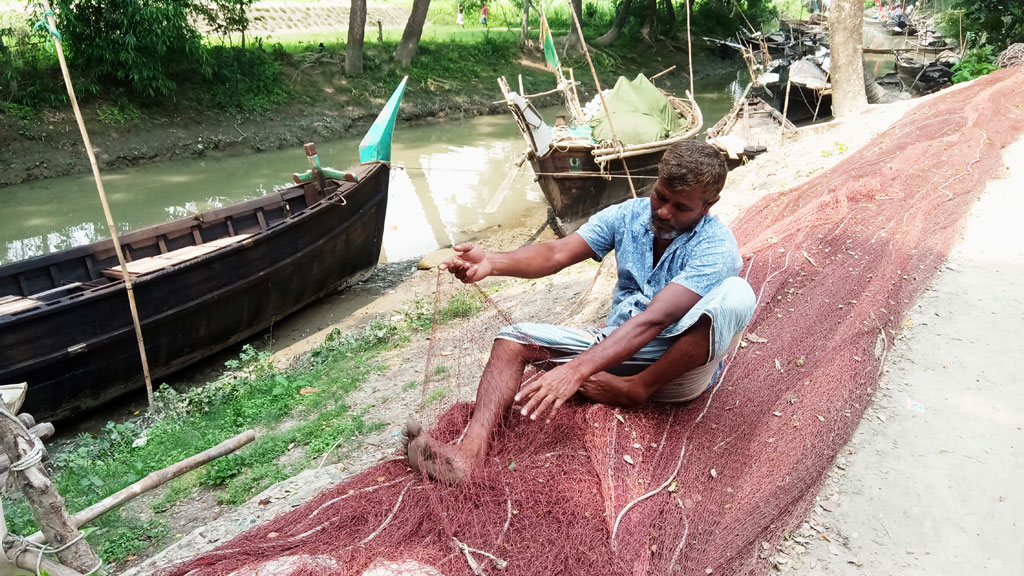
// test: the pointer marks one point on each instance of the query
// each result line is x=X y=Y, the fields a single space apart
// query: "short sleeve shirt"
x=698 y=260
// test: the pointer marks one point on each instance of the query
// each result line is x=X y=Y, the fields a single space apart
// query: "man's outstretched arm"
x=472 y=264
x=547 y=393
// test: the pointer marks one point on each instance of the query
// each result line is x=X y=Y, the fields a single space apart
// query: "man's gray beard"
x=670 y=235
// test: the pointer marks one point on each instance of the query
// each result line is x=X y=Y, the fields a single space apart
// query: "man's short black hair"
x=692 y=163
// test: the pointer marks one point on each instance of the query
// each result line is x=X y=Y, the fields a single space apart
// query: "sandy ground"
x=926 y=485
x=930 y=483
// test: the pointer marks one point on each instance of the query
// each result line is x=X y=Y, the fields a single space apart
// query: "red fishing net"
x=695 y=489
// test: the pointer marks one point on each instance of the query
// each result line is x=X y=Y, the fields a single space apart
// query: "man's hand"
x=548 y=392
x=470 y=263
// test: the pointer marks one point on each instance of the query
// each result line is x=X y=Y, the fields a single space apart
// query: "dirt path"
x=930 y=483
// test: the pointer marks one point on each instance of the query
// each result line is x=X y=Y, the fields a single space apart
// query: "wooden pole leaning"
x=152 y=480
x=103 y=200
x=600 y=92
x=46 y=503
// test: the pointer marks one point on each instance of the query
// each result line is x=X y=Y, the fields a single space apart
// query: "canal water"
x=444 y=175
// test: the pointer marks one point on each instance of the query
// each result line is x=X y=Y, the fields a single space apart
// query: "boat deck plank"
x=13 y=304
x=161 y=261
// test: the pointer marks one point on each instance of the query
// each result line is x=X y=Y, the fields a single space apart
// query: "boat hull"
x=576 y=189
x=82 y=351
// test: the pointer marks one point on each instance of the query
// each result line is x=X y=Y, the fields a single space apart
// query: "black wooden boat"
x=200 y=283
x=580 y=176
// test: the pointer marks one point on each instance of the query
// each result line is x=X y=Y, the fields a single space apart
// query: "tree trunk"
x=7 y=69
x=524 y=28
x=47 y=505
x=845 y=21
x=356 y=31
x=406 y=50
x=612 y=34
x=649 y=32
x=572 y=41
x=670 y=12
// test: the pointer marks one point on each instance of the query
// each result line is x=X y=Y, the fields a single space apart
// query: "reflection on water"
x=443 y=177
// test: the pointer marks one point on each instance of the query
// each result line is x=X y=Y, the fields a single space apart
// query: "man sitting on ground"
x=677 y=307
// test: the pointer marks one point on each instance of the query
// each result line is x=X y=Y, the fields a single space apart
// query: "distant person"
x=483 y=15
x=459 y=20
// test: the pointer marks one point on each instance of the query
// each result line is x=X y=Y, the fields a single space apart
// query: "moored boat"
x=750 y=128
x=201 y=283
x=582 y=170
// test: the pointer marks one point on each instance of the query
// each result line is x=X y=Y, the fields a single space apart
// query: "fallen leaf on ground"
x=306 y=390
x=755 y=338
x=627 y=458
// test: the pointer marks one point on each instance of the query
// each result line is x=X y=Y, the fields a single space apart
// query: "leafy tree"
x=649 y=32
x=1001 y=21
x=410 y=42
x=226 y=17
x=620 y=22
x=8 y=76
x=141 y=44
x=356 y=31
x=725 y=17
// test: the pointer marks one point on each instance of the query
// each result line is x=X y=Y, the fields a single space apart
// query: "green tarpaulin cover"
x=640 y=112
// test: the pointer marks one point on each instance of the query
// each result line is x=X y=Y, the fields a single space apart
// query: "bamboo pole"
x=785 y=108
x=47 y=506
x=103 y=200
x=28 y=559
x=600 y=92
x=153 y=480
x=689 y=48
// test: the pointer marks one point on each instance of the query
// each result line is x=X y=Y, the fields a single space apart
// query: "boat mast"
x=51 y=24
x=600 y=93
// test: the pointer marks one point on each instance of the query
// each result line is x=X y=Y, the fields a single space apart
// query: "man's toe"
x=412 y=428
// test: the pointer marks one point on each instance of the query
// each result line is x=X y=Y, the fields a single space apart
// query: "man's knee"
x=739 y=298
x=513 y=350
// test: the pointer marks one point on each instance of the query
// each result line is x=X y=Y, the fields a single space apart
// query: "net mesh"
x=694 y=489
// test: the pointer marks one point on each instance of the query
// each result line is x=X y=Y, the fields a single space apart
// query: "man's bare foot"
x=438 y=461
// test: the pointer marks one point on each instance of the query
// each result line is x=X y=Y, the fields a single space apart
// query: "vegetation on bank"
x=151 y=55
x=301 y=413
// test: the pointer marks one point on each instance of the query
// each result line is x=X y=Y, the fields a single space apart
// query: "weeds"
x=301 y=413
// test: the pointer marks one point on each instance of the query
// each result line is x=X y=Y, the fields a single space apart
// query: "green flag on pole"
x=548 y=42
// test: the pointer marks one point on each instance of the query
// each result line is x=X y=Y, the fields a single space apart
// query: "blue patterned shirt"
x=699 y=260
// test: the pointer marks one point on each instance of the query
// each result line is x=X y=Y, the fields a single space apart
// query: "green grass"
x=300 y=414
x=435 y=395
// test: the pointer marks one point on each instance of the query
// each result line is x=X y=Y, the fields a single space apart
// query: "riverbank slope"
x=453 y=78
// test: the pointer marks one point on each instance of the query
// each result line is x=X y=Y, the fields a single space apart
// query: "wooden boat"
x=908 y=64
x=579 y=176
x=805 y=83
x=201 y=283
x=750 y=128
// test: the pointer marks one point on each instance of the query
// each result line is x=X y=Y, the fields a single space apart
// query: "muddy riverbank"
x=324 y=105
